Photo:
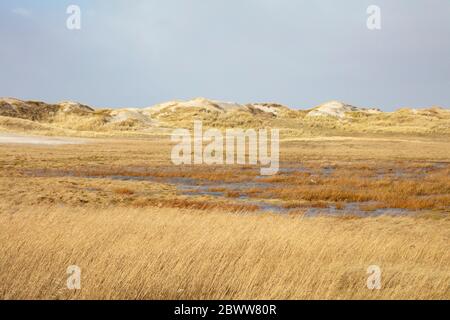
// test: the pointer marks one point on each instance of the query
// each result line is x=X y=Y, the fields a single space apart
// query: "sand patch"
x=8 y=138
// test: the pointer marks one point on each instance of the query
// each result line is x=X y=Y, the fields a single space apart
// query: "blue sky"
x=299 y=53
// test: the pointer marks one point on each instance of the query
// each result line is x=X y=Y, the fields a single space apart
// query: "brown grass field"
x=142 y=228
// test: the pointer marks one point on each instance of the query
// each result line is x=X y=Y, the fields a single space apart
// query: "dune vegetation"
x=160 y=253
x=329 y=119
x=354 y=189
x=139 y=227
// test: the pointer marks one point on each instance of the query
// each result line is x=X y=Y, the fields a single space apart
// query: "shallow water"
x=353 y=208
x=200 y=187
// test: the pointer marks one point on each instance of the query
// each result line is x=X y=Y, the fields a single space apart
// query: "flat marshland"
x=141 y=228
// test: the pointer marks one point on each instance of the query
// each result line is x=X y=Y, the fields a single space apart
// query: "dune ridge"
x=73 y=118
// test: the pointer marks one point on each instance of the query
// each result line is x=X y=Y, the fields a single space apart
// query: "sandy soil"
x=23 y=139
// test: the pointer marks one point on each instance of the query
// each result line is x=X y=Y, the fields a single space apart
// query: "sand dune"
x=329 y=118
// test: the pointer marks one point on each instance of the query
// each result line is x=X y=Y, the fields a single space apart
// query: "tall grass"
x=187 y=254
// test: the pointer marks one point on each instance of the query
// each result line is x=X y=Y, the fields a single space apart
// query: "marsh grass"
x=419 y=186
x=143 y=238
x=123 y=191
x=190 y=254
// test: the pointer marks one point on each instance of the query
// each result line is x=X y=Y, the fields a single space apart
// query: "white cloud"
x=21 y=12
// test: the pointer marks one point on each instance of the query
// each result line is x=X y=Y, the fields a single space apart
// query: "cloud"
x=298 y=53
x=21 y=12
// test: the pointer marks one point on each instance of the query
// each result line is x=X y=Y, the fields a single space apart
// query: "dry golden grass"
x=188 y=254
x=124 y=191
x=391 y=173
x=144 y=238
x=416 y=192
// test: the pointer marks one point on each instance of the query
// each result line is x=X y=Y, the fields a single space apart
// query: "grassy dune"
x=73 y=119
x=187 y=254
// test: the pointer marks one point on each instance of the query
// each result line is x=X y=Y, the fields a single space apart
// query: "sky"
x=299 y=53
